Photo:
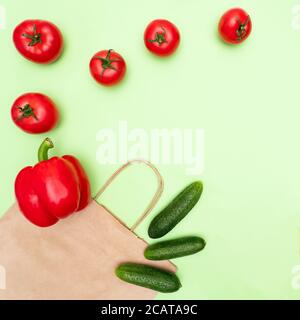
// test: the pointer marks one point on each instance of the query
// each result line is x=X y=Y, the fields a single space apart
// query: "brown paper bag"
x=76 y=258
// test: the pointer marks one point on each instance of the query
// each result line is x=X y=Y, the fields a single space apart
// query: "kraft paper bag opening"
x=76 y=258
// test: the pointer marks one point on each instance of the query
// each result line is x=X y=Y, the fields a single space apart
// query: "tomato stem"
x=27 y=112
x=160 y=38
x=44 y=148
x=106 y=62
x=241 y=32
x=35 y=38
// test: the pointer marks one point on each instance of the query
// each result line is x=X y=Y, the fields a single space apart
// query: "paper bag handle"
x=155 y=198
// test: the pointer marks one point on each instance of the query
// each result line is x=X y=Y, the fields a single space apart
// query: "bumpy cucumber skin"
x=169 y=217
x=148 y=277
x=176 y=248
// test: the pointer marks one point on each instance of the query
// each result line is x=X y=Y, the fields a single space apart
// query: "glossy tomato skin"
x=39 y=41
x=107 y=67
x=34 y=113
x=235 y=26
x=162 y=37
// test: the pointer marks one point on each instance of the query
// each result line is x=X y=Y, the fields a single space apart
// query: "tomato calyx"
x=35 y=38
x=106 y=62
x=26 y=112
x=160 y=37
x=241 y=31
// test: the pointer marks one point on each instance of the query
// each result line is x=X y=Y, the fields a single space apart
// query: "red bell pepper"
x=53 y=189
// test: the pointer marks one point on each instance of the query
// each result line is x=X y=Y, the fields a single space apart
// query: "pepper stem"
x=44 y=148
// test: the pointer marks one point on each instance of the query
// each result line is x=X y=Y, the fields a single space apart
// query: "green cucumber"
x=148 y=277
x=169 y=217
x=176 y=248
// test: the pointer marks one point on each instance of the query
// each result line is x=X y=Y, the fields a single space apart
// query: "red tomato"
x=34 y=113
x=107 y=67
x=162 y=37
x=235 y=26
x=38 y=41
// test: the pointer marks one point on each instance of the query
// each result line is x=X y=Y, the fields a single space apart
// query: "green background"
x=246 y=98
